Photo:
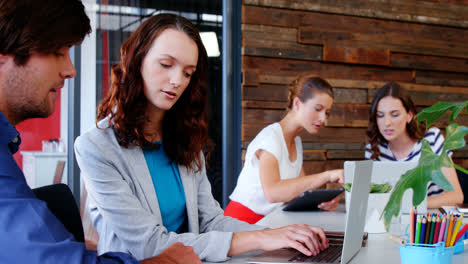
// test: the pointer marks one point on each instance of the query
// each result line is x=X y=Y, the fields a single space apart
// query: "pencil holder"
x=425 y=253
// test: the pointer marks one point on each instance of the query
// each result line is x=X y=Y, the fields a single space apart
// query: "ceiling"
x=196 y=6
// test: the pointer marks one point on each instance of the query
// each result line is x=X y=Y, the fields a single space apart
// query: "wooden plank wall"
x=357 y=46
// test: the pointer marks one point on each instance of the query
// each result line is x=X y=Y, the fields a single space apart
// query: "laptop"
x=389 y=172
x=354 y=229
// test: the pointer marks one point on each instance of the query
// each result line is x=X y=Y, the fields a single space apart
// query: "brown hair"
x=31 y=26
x=394 y=90
x=305 y=87
x=185 y=130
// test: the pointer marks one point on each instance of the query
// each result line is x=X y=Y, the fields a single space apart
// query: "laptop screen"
x=390 y=173
x=355 y=216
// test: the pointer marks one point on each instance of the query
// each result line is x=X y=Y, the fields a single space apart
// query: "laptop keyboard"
x=328 y=255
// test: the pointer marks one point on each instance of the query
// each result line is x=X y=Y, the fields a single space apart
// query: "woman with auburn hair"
x=394 y=135
x=273 y=171
x=143 y=163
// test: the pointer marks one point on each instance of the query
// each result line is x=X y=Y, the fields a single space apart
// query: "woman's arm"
x=246 y=237
x=124 y=220
x=278 y=190
x=447 y=197
x=307 y=239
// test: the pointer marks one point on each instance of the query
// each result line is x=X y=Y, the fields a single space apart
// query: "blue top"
x=29 y=232
x=168 y=187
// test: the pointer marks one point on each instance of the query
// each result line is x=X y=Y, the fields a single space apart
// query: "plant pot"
x=375 y=206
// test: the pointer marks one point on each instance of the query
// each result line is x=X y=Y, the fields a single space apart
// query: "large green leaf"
x=430 y=164
x=455 y=137
x=416 y=179
x=434 y=112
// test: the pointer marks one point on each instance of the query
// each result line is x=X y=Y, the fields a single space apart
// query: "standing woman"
x=143 y=165
x=273 y=171
x=394 y=135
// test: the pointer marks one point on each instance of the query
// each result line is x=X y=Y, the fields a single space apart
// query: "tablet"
x=309 y=200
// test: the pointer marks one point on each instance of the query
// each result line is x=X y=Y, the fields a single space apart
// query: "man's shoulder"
x=7 y=131
x=7 y=163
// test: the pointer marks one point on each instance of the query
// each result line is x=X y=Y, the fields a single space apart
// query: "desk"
x=379 y=248
x=39 y=167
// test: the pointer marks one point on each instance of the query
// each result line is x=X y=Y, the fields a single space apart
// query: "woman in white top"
x=273 y=171
x=394 y=135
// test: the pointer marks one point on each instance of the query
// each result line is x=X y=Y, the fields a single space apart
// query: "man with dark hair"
x=35 y=38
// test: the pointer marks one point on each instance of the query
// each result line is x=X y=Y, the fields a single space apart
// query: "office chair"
x=62 y=204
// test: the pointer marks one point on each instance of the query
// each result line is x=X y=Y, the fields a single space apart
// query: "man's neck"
x=13 y=121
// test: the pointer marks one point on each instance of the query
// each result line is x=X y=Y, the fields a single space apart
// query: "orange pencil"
x=449 y=231
x=411 y=222
x=455 y=230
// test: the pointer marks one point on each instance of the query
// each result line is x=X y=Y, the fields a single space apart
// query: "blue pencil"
x=423 y=230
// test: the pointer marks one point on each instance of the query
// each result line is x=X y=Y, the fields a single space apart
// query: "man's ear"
x=4 y=59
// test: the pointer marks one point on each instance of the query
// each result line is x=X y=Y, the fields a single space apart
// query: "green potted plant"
x=430 y=164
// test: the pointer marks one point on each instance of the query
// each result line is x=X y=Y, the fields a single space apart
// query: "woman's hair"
x=44 y=27
x=184 y=126
x=394 y=90
x=305 y=87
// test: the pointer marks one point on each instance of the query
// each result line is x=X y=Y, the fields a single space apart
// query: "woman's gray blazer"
x=124 y=207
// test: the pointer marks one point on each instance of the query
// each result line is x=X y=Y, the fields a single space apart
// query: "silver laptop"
x=390 y=172
x=354 y=229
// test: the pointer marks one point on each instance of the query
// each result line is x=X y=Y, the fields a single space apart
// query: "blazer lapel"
x=142 y=179
x=191 y=198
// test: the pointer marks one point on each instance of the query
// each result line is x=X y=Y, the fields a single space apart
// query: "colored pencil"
x=415 y=217
x=449 y=231
x=428 y=229
x=436 y=231
x=461 y=233
x=446 y=228
x=455 y=230
x=418 y=231
x=431 y=233
x=442 y=229
x=411 y=231
x=423 y=230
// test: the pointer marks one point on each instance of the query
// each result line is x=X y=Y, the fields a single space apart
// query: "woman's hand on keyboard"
x=309 y=240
